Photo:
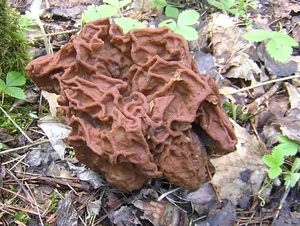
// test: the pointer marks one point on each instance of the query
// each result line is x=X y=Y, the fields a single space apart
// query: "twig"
x=13 y=160
x=20 y=184
x=35 y=205
x=16 y=194
x=55 y=33
x=287 y=191
x=262 y=84
x=215 y=189
x=23 y=147
x=16 y=125
x=20 y=160
x=19 y=209
x=166 y=194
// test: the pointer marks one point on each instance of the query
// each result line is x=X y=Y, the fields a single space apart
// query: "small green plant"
x=55 y=198
x=128 y=24
x=111 y=8
x=170 y=10
x=235 y=7
x=185 y=21
x=275 y=161
x=159 y=4
x=21 y=217
x=11 y=87
x=70 y=152
x=278 y=44
x=236 y=112
x=1 y=146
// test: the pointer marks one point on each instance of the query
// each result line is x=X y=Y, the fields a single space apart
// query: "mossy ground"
x=20 y=115
x=13 y=43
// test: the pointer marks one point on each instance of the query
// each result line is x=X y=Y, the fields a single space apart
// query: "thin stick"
x=16 y=125
x=34 y=204
x=262 y=84
x=215 y=189
x=287 y=191
x=56 y=33
x=23 y=147
x=166 y=194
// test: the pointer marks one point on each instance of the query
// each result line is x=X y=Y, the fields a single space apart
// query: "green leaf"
x=274 y=172
x=189 y=33
x=159 y=3
x=90 y=14
x=2 y=85
x=124 y=3
x=216 y=4
x=258 y=35
x=294 y=179
x=188 y=17
x=296 y=165
x=273 y=160
x=279 y=50
x=291 y=179
x=228 y=3
x=107 y=11
x=1 y=145
x=15 y=78
x=170 y=23
x=114 y=3
x=128 y=24
x=283 y=139
x=15 y=92
x=286 y=39
x=171 y=11
x=288 y=149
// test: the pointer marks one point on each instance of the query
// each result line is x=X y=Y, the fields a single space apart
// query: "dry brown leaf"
x=229 y=168
x=161 y=213
x=52 y=101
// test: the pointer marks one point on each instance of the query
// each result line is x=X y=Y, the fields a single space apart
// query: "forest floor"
x=42 y=185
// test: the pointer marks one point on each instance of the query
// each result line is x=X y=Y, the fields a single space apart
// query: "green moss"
x=13 y=43
x=20 y=115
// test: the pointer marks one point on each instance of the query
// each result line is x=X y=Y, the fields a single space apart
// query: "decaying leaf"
x=275 y=67
x=284 y=119
x=222 y=214
x=87 y=175
x=124 y=216
x=283 y=8
x=294 y=95
x=230 y=49
x=52 y=101
x=94 y=207
x=161 y=213
x=41 y=155
x=229 y=168
x=66 y=214
x=57 y=133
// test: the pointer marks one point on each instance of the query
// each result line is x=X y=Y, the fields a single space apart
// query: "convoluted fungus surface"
x=131 y=101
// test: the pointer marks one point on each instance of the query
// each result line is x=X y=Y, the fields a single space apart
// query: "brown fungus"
x=131 y=101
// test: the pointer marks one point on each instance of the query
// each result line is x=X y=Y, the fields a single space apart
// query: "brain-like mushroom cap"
x=131 y=101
